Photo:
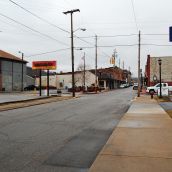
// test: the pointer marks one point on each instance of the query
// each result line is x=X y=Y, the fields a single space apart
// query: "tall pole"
x=138 y=94
x=72 y=53
x=72 y=49
x=114 y=55
x=22 y=71
x=119 y=62
x=84 y=71
x=159 y=61
x=96 y=63
x=48 y=74
x=123 y=65
x=40 y=82
x=160 y=81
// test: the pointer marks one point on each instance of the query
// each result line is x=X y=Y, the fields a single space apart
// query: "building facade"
x=113 y=77
x=64 y=80
x=152 y=70
x=107 y=78
x=11 y=72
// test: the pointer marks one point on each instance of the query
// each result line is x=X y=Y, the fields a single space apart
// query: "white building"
x=64 y=80
x=52 y=81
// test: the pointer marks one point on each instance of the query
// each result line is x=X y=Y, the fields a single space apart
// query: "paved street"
x=61 y=136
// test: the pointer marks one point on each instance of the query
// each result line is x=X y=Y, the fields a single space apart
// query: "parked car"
x=122 y=86
x=135 y=86
x=154 y=89
x=30 y=87
x=126 y=85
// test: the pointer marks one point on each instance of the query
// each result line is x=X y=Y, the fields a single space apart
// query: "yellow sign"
x=44 y=65
x=112 y=60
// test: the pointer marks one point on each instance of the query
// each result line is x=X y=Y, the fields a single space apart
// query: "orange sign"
x=44 y=65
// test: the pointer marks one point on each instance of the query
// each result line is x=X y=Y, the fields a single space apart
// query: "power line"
x=43 y=34
x=158 y=45
x=48 y=52
x=105 y=54
x=83 y=40
x=42 y=19
x=132 y=3
x=128 y=35
x=118 y=45
x=107 y=36
x=125 y=45
x=156 y=34
x=131 y=45
x=46 y=21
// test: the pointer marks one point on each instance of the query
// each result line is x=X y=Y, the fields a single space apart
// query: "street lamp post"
x=22 y=71
x=84 y=63
x=96 y=63
x=139 y=44
x=72 y=48
x=160 y=62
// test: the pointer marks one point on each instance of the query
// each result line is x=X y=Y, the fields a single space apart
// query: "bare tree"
x=81 y=76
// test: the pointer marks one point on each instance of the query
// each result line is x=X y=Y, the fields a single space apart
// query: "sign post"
x=40 y=83
x=170 y=33
x=44 y=65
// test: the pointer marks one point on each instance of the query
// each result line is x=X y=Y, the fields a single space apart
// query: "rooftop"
x=10 y=57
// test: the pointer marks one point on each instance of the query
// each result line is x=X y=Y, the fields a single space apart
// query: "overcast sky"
x=108 y=18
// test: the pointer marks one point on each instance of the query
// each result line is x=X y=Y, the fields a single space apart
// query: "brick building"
x=11 y=72
x=152 y=70
x=113 y=77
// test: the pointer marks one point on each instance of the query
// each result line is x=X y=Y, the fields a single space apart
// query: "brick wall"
x=166 y=69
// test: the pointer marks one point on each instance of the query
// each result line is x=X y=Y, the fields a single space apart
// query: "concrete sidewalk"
x=142 y=141
x=6 y=98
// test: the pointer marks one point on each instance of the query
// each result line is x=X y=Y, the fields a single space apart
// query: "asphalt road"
x=61 y=136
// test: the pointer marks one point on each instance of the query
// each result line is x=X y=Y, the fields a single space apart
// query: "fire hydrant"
x=151 y=93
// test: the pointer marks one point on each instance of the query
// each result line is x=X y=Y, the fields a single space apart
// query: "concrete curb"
x=25 y=100
x=20 y=104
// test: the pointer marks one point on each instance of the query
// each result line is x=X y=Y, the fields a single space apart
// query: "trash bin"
x=59 y=92
x=164 y=91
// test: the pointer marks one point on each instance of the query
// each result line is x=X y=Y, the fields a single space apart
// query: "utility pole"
x=48 y=76
x=84 y=71
x=72 y=48
x=22 y=71
x=114 y=55
x=119 y=63
x=138 y=94
x=96 y=63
